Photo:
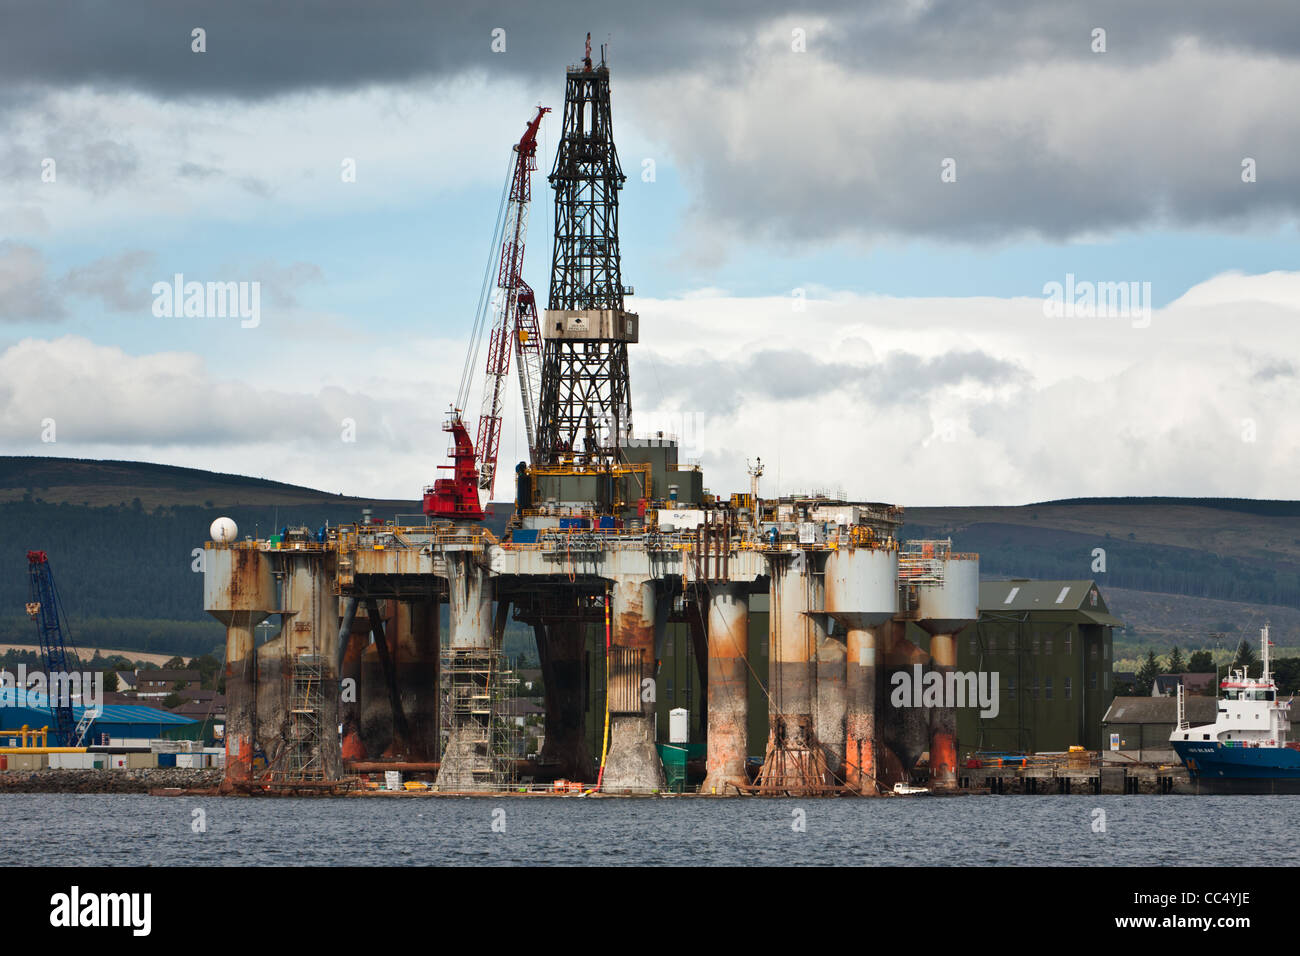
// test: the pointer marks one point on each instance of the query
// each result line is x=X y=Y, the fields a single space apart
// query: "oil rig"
x=612 y=540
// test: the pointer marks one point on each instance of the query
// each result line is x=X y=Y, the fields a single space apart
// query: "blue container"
x=606 y=522
x=524 y=536
x=572 y=524
x=166 y=760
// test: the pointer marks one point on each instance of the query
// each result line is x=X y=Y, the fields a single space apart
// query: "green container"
x=674 y=761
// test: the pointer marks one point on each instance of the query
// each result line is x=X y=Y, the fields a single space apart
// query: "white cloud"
x=928 y=401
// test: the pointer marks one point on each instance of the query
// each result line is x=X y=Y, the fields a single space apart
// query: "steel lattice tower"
x=585 y=403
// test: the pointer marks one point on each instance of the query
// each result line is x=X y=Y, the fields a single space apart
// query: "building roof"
x=1165 y=684
x=167 y=675
x=126 y=677
x=109 y=713
x=1079 y=599
x=522 y=707
x=1168 y=683
x=201 y=709
x=1159 y=710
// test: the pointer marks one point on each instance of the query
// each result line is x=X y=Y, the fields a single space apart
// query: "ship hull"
x=1213 y=768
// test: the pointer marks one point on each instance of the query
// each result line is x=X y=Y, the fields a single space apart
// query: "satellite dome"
x=223 y=530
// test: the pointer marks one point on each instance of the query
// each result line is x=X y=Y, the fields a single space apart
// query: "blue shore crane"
x=59 y=656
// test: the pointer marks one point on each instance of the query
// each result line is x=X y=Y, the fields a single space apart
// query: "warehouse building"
x=118 y=725
x=1140 y=726
x=1049 y=642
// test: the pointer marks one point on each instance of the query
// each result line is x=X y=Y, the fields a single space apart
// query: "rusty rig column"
x=943 y=609
x=830 y=702
x=943 y=720
x=862 y=597
x=468 y=753
x=298 y=689
x=794 y=760
x=417 y=675
x=902 y=730
x=728 y=700
x=350 y=681
x=239 y=591
x=560 y=645
x=633 y=762
x=860 y=725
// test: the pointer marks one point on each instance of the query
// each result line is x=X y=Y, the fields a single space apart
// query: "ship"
x=1246 y=749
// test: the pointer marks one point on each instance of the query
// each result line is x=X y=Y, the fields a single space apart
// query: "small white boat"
x=907 y=790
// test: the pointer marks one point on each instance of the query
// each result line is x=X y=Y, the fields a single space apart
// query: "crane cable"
x=484 y=295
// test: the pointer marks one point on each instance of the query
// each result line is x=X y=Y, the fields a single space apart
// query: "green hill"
x=1207 y=564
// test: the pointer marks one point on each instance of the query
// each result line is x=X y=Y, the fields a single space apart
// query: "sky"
x=930 y=253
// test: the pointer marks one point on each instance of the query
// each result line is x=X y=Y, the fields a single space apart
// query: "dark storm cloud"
x=264 y=49
x=257 y=49
x=1051 y=139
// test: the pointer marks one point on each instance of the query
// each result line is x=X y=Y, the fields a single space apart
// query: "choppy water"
x=96 y=830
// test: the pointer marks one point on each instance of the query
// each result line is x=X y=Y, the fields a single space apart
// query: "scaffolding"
x=302 y=756
x=479 y=687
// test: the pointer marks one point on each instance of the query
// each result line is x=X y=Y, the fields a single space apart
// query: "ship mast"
x=1264 y=644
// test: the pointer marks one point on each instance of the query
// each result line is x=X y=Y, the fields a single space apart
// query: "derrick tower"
x=585 y=403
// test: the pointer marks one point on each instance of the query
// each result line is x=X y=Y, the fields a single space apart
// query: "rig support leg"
x=860 y=722
x=633 y=762
x=467 y=763
x=728 y=696
x=943 y=720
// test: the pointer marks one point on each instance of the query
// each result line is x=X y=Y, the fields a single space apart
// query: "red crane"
x=516 y=313
x=514 y=328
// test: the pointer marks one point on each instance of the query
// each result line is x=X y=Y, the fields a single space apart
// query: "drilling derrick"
x=585 y=406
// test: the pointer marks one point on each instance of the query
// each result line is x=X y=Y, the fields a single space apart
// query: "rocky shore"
x=107 y=781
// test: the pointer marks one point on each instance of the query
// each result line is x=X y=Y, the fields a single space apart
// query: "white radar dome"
x=223 y=530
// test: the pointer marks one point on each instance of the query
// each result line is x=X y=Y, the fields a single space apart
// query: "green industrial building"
x=1049 y=642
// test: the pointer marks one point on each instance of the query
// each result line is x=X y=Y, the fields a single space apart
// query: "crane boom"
x=516 y=314
x=528 y=351
x=44 y=608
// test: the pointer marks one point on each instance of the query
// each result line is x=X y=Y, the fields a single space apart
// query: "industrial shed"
x=1145 y=723
x=122 y=724
x=1050 y=644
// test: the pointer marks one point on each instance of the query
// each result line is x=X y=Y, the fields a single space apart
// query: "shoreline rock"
x=140 y=780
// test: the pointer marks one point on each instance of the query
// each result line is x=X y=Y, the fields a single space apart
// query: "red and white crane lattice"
x=514 y=328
